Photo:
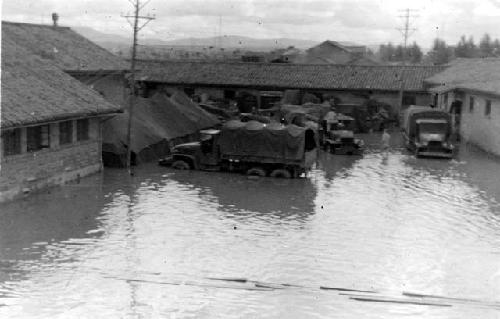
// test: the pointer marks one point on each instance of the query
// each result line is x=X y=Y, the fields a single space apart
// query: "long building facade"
x=347 y=84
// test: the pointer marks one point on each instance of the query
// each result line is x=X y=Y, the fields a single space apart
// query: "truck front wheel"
x=180 y=164
x=256 y=171
x=281 y=173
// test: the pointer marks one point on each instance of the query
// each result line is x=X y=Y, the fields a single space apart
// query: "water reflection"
x=239 y=196
x=387 y=233
x=29 y=226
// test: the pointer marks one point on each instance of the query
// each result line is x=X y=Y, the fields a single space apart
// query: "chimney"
x=55 y=17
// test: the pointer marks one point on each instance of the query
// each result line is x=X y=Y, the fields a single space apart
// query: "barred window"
x=82 y=130
x=38 y=137
x=11 y=140
x=65 y=132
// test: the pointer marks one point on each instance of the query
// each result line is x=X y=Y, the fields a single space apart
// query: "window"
x=11 y=141
x=487 y=108
x=82 y=130
x=471 y=104
x=38 y=137
x=445 y=102
x=65 y=132
x=409 y=99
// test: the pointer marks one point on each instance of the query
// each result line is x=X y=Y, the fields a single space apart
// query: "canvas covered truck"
x=427 y=131
x=252 y=148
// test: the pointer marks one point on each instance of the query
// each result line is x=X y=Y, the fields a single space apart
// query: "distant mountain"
x=241 y=42
x=115 y=42
x=97 y=36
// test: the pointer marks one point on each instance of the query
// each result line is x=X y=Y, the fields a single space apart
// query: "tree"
x=386 y=52
x=441 y=53
x=485 y=46
x=496 y=47
x=466 y=48
x=390 y=53
x=414 y=53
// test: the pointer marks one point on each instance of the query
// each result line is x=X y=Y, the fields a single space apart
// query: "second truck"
x=427 y=132
x=251 y=148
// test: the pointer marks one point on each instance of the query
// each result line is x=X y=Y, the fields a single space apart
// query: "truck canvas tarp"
x=414 y=112
x=272 y=141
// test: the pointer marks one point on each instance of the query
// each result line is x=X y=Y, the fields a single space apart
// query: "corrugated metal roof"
x=36 y=91
x=64 y=47
x=287 y=76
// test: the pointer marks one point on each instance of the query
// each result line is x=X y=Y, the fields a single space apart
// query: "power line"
x=135 y=25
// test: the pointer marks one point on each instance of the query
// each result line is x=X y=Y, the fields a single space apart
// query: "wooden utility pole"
x=406 y=32
x=131 y=103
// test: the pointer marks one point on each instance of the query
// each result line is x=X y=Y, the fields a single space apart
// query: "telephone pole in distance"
x=131 y=103
x=407 y=31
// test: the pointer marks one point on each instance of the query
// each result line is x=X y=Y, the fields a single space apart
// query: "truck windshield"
x=432 y=127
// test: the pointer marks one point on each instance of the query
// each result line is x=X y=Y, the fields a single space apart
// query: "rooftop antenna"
x=135 y=25
x=55 y=18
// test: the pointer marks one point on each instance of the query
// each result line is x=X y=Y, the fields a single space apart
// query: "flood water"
x=378 y=236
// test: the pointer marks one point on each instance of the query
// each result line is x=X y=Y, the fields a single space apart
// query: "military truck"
x=252 y=148
x=427 y=131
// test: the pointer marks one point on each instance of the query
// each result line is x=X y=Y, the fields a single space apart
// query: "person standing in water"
x=386 y=138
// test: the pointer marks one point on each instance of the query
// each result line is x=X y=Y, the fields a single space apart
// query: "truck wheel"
x=281 y=173
x=180 y=164
x=256 y=171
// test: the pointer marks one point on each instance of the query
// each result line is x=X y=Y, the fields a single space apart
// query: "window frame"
x=66 y=137
x=11 y=142
x=37 y=137
x=82 y=130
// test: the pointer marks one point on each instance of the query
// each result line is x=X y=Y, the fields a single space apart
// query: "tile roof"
x=67 y=49
x=34 y=90
x=482 y=74
x=287 y=76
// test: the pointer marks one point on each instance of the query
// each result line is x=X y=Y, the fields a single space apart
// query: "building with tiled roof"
x=66 y=48
x=350 y=83
x=50 y=122
x=288 y=76
x=470 y=90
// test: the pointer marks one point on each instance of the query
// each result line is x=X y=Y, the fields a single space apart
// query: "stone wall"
x=31 y=171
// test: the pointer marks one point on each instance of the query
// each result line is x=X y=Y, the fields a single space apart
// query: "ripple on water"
x=150 y=243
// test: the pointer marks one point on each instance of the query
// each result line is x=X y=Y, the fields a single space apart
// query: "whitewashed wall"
x=478 y=128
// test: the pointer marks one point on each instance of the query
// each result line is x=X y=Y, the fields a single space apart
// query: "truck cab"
x=431 y=138
x=203 y=154
x=427 y=132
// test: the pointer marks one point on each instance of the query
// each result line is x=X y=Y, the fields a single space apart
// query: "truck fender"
x=191 y=160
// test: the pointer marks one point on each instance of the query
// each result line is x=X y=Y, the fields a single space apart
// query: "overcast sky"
x=363 y=21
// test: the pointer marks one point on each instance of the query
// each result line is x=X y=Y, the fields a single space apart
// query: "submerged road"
x=378 y=236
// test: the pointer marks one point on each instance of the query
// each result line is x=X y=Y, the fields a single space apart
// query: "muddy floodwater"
x=378 y=236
